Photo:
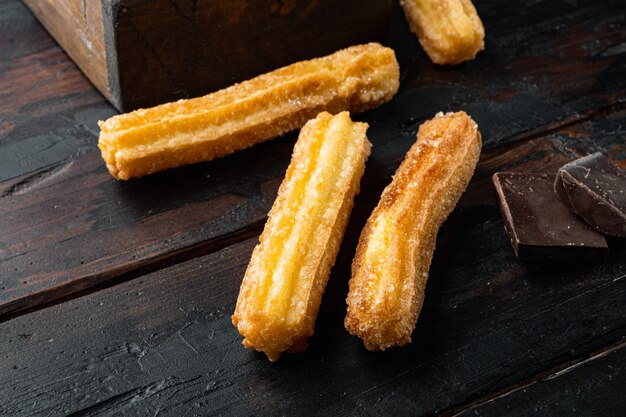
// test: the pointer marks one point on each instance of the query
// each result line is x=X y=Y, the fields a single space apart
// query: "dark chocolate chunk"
x=538 y=224
x=595 y=189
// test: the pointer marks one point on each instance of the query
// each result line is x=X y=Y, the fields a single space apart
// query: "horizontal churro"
x=283 y=285
x=396 y=246
x=200 y=129
x=450 y=31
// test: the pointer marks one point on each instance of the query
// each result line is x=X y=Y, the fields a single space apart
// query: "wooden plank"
x=594 y=386
x=164 y=343
x=535 y=63
x=67 y=227
x=95 y=229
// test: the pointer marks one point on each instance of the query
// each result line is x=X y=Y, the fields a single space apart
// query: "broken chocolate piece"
x=595 y=189
x=538 y=224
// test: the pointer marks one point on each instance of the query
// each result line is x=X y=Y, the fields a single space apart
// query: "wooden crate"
x=139 y=53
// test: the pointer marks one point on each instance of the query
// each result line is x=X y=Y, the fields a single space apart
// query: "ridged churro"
x=283 y=285
x=450 y=31
x=396 y=246
x=200 y=129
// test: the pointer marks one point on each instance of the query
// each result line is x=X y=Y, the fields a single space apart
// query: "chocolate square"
x=595 y=189
x=539 y=225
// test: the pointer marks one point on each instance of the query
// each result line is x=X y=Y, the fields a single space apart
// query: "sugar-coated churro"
x=396 y=246
x=283 y=285
x=200 y=129
x=450 y=31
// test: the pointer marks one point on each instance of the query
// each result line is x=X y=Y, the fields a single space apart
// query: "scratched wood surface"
x=550 y=87
x=586 y=387
x=163 y=343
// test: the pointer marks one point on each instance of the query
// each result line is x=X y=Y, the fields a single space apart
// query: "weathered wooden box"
x=139 y=53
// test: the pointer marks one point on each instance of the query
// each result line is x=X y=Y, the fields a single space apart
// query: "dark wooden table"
x=116 y=297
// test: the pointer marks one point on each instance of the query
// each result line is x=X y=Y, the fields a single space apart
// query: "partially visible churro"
x=396 y=246
x=450 y=31
x=200 y=129
x=283 y=285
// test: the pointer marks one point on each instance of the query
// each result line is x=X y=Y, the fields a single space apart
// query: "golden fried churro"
x=396 y=246
x=282 y=289
x=450 y=31
x=189 y=131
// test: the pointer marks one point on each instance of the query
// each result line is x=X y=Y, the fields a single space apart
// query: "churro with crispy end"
x=450 y=31
x=396 y=246
x=283 y=285
x=200 y=129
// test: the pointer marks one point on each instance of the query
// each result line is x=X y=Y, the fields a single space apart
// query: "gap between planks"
x=94 y=282
x=555 y=127
x=546 y=375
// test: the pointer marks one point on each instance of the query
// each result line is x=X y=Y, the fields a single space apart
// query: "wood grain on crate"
x=77 y=26
x=143 y=53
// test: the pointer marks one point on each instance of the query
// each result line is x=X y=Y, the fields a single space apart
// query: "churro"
x=283 y=285
x=200 y=129
x=396 y=246
x=450 y=31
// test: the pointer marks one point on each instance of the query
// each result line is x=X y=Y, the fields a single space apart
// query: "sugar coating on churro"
x=200 y=129
x=450 y=31
x=283 y=285
x=396 y=246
